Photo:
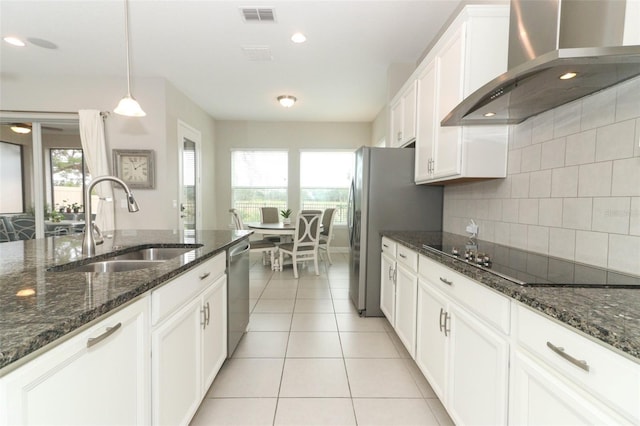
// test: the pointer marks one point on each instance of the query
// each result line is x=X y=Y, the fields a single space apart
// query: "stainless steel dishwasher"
x=237 y=293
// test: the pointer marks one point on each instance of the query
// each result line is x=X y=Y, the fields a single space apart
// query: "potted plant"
x=55 y=216
x=76 y=207
x=286 y=215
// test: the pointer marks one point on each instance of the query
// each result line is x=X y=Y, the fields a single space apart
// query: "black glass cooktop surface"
x=528 y=268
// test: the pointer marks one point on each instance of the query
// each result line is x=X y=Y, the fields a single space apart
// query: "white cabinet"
x=462 y=355
x=470 y=53
x=388 y=280
x=403 y=116
x=406 y=298
x=189 y=344
x=399 y=291
x=576 y=378
x=100 y=376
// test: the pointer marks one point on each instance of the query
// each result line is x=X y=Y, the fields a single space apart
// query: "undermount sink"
x=107 y=266
x=153 y=253
x=131 y=261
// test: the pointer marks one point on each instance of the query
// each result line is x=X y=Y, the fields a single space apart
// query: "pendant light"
x=128 y=105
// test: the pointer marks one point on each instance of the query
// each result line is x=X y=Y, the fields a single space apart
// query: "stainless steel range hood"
x=599 y=40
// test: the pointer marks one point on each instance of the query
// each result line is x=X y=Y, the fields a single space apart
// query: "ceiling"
x=339 y=74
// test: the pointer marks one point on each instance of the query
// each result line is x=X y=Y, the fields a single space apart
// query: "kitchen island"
x=43 y=305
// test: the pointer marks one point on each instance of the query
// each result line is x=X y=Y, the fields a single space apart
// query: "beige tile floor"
x=309 y=359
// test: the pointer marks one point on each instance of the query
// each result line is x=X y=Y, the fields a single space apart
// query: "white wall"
x=163 y=105
x=292 y=136
x=573 y=184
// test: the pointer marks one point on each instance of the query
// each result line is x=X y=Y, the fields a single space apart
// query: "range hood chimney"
x=598 y=40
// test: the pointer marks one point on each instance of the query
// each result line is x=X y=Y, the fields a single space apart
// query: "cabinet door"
x=409 y=113
x=406 y=300
x=214 y=333
x=396 y=124
x=539 y=397
x=426 y=122
x=431 y=342
x=450 y=92
x=176 y=349
x=388 y=288
x=478 y=371
x=85 y=381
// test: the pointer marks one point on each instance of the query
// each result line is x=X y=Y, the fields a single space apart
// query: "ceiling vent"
x=258 y=14
x=257 y=53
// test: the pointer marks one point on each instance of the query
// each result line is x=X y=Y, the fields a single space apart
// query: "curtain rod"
x=102 y=113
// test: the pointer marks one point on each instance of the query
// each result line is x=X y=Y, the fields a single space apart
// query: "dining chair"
x=270 y=215
x=8 y=226
x=25 y=227
x=266 y=247
x=326 y=234
x=305 y=242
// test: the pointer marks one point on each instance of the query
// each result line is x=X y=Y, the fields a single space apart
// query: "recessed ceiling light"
x=489 y=114
x=568 y=75
x=15 y=41
x=26 y=292
x=298 y=38
x=287 y=101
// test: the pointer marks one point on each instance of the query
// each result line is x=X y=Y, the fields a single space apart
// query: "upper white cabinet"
x=403 y=116
x=471 y=52
x=100 y=376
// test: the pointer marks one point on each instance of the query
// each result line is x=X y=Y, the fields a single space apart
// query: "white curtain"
x=94 y=149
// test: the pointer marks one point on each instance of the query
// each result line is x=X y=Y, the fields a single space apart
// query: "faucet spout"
x=89 y=241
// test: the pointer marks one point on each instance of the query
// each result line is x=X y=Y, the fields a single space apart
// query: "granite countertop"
x=608 y=315
x=62 y=302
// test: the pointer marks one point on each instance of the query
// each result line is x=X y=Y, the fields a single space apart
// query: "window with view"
x=325 y=178
x=11 y=185
x=68 y=177
x=258 y=179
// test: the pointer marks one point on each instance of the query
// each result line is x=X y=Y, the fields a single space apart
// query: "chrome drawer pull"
x=92 y=341
x=446 y=281
x=205 y=275
x=384 y=245
x=402 y=256
x=560 y=351
x=208 y=313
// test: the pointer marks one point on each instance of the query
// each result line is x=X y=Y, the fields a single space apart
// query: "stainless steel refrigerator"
x=384 y=197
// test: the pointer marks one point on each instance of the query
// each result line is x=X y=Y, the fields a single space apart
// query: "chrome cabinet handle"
x=560 y=351
x=384 y=245
x=92 y=341
x=402 y=255
x=447 y=330
x=208 y=316
x=390 y=274
x=203 y=321
x=205 y=275
x=441 y=315
x=446 y=281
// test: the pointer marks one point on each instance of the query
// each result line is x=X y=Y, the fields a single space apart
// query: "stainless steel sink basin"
x=107 y=266
x=153 y=253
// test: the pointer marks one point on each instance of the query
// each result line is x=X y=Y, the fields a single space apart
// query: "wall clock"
x=135 y=167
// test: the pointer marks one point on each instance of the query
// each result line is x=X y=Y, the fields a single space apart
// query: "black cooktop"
x=528 y=268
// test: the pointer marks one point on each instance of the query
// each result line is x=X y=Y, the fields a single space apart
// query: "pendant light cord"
x=126 y=36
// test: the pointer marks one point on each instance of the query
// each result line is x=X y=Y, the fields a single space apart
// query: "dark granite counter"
x=39 y=306
x=608 y=315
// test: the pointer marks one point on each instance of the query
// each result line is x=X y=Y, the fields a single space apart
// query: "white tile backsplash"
x=615 y=141
x=573 y=184
x=594 y=180
x=553 y=153
x=581 y=148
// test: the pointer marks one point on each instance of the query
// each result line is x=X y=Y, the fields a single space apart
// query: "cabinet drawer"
x=184 y=287
x=389 y=247
x=614 y=379
x=489 y=305
x=407 y=257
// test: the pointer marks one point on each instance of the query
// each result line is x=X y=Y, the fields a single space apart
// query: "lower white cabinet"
x=541 y=397
x=388 y=283
x=189 y=347
x=464 y=358
x=100 y=376
x=406 y=300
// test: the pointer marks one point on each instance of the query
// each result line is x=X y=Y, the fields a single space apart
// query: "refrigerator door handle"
x=351 y=211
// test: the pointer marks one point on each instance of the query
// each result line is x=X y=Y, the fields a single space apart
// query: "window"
x=258 y=179
x=68 y=177
x=11 y=186
x=325 y=179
